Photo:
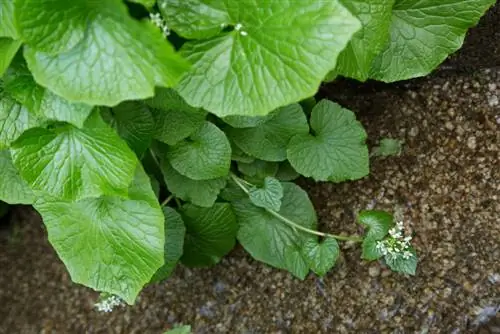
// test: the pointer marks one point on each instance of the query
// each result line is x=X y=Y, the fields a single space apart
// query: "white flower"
x=396 y=244
x=160 y=23
x=107 y=304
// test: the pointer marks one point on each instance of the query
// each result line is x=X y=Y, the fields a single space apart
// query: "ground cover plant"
x=148 y=133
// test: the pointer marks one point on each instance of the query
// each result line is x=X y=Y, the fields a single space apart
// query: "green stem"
x=287 y=221
x=168 y=199
x=178 y=202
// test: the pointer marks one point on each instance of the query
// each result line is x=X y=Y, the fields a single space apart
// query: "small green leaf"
x=258 y=170
x=276 y=53
x=269 y=140
x=239 y=156
x=111 y=244
x=322 y=256
x=205 y=155
x=71 y=163
x=13 y=189
x=180 y=330
x=14 y=120
x=175 y=232
x=268 y=196
x=8 y=49
x=387 y=147
x=232 y=192
x=286 y=172
x=336 y=150
x=199 y=192
x=357 y=58
x=134 y=123
x=270 y=240
x=401 y=265
x=210 y=234
x=95 y=54
x=175 y=119
x=378 y=224
x=145 y=3
x=422 y=35
x=7 y=22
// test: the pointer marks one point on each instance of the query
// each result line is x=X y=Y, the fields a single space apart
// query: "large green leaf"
x=335 y=151
x=111 y=244
x=14 y=120
x=175 y=232
x=8 y=49
x=71 y=163
x=174 y=118
x=7 y=22
x=94 y=52
x=269 y=140
x=13 y=189
x=57 y=108
x=210 y=234
x=205 y=155
x=322 y=256
x=423 y=33
x=277 y=52
x=375 y=16
x=199 y=192
x=270 y=240
x=134 y=123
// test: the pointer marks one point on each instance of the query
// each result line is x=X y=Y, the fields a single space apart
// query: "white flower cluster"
x=160 y=23
x=396 y=244
x=108 y=303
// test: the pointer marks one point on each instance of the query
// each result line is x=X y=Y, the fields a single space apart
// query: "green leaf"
x=175 y=232
x=387 y=147
x=210 y=234
x=422 y=35
x=7 y=22
x=336 y=150
x=378 y=224
x=270 y=240
x=239 y=156
x=8 y=49
x=286 y=172
x=180 y=330
x=199 y=192
x=14 y=120
x=401 y=265
x=269 y=140
x=134 y=123
x=205 y=155
x=174 y=118
x=232 y=192
x=145 y=3
x=322 y=256
x=71 y=163
x=110 y=244
x=59 y=109
x=258 y=170
x=246 y=121
x=13 y=189
x=95 y=54
x=268 y=196
x=277 y=52
x=19 y=83
x=357 y=58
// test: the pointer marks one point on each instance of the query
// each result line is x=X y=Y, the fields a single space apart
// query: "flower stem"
x=168 y=199
x=239 y=182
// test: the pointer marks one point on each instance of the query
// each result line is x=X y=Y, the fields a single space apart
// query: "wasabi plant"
x=148 y=133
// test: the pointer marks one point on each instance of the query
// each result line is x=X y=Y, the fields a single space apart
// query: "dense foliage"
x=109 y=108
